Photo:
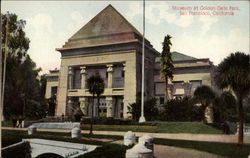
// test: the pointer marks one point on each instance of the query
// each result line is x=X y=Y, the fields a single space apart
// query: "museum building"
x=110 y=46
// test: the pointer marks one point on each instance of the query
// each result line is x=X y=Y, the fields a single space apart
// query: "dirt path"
x=195 y=137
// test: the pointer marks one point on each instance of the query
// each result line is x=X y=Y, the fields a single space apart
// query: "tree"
x=183 y=109
x=95 y=84
x=234 y=73
x=225 y=107
x=22 y=87
x=205 y=96
x=167 y=63
x=150 y=109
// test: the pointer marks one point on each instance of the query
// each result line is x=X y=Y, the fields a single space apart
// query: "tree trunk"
x=98 y=105
x=204 y=120
x=91 y=120
x=166 y=89
x=241 y=121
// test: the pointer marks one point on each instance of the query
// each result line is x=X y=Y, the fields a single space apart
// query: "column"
x=124 y=69
x=109 y=105
x=110 y=75
x=70 y=74
x=83 y=107
x=69 y=107
x=83 y=77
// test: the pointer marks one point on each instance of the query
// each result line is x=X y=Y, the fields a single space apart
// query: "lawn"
x=112 y=150
x=153 y=127
x=160 y=127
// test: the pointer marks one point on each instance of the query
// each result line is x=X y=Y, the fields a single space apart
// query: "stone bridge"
x=41 y=147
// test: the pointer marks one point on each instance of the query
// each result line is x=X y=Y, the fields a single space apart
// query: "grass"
x=7 y=124
x=160 y=127
x=230 y=150
x=153 y=127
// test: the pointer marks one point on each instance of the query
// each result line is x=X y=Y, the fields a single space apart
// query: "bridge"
x=41 y=148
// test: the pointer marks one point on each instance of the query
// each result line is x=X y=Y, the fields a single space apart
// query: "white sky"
x=50 y=24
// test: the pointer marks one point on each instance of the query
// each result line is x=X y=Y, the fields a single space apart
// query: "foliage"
x=106 y=121
x=181 y=110
x=150 y=109
x=234 y=73
x=95 y=84
x=167 y=62
x=78 y=114
x=247 y=108
x=225 y=108
x=22 y=150
x=205 y=96
x=51 y=105
x=22 y=86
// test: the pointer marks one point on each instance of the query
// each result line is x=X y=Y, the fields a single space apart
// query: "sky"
x=210 y=34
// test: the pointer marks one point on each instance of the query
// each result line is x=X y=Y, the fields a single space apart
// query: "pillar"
x=83 y=107
x=70 y=74
x=209 y=114
x=69 y=107
x=83 y=77
x=110 y=75
x=109 y=105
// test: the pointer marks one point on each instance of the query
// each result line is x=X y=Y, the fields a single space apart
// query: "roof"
x=176 y=56
x=107 y=27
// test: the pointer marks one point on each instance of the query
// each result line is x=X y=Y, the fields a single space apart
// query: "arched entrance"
x=49 y=155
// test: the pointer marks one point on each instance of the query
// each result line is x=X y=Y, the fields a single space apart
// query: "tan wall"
x=205 y=77
x=127 y=57
x=48 y=88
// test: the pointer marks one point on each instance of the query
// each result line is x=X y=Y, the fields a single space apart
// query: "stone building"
x=189 y=73
x=110 y=46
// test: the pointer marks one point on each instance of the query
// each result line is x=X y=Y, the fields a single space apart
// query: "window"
x=159 y=88
x=123 y=74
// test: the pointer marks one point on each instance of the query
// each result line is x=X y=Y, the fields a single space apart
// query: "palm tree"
x=95 y=84
x=205 y=96
x=234 y=73
x=167 y=63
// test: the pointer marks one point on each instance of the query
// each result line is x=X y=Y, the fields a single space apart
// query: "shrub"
x=77 y=115
x=106 y=121
x=150 y=109
x=181 y=110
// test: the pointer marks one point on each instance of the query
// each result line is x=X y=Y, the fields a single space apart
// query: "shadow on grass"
x=224 y=149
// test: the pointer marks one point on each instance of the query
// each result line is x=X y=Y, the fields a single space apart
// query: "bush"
x=151 y=112
x=106 y=121
x=19 y=151
x=78 y=115
x=181 y=110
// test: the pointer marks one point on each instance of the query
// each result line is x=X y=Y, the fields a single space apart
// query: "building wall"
x=49 y=85
x=129 y=91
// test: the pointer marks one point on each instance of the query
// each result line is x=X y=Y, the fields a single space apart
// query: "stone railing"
x=246 y=130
